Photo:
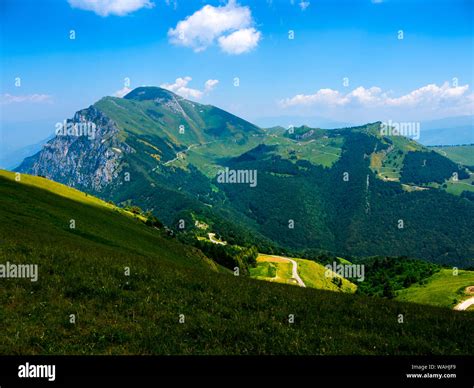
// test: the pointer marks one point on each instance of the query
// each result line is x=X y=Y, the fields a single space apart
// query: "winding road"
x=465 y=304
x=294 y=274
x=182 y=153
x=212 y=238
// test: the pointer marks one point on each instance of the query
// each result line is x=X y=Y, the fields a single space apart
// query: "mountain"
x=134 y=290
x=351 y=192
x=448 y=131
x=463 y=154
x=449 y=122
x=296 y=121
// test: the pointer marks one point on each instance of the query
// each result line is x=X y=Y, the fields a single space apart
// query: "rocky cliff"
x=86 y=152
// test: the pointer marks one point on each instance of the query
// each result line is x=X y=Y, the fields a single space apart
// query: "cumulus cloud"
x=34 y=98
x=180 y=87
x=322 y=96
x=111 y=7
x=122 y=92
x=210 y=84
x=240 y=41
x=431 y=95
x=230 y=25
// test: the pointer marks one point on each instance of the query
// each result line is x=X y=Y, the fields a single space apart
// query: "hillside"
x=100 y=229
x=350 y=192
x=463 y=154
x=81 y=272
x=275 y=269
x=442 y=289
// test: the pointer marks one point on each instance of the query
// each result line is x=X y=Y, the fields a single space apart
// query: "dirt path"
x=212 y=238
x=294 y=273
x=182 y=153
x=464 y=304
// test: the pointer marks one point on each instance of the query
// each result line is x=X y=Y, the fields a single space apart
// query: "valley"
x=130 y=285
x=138 y=229
x=171 y=150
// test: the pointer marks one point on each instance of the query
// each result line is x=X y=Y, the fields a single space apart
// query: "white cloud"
x=111 y=7
x=231 y=25
x=304 y=4
x=322 y=96
x=34 y=98
x=240 y=41
x=429 y=95
x=180 y=87
x=210 y=84
x=122 y=92
x=433 y=95
x=365 y=104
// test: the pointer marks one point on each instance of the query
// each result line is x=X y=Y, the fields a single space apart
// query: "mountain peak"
x=143 y=93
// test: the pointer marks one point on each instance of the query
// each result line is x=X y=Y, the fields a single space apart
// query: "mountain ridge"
x=163 y=152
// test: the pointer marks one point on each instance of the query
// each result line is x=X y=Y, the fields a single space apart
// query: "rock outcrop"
x=86 y=152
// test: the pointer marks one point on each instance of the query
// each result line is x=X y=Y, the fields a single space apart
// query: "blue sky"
x=427 y=74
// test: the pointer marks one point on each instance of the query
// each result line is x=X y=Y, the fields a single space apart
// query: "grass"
x=457 y=187
x=99 y=226
x=321 y=151
x=389 y=165
x=81 y=272
x=273 y=269
x=314 y=275
x=276 y=269
x=459 y=154
x=442 y=289
x=208 y=157
x=264 y=270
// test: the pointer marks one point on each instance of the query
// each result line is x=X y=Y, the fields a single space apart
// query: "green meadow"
x=442 y=289
x=174 y=300
x=463 y=154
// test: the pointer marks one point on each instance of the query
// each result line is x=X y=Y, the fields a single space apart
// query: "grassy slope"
x=313 y=274
x=442 y=289
x=459 y=154
x=278 y=272
x=389 y=165
x=82 y=273
x=457 y=188
x=99 y=226
x=209 y=158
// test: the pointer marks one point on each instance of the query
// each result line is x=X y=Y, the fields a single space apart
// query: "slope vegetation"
x=277 y=269
x=349 y=192
x=173 y=301
x=445 y=288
